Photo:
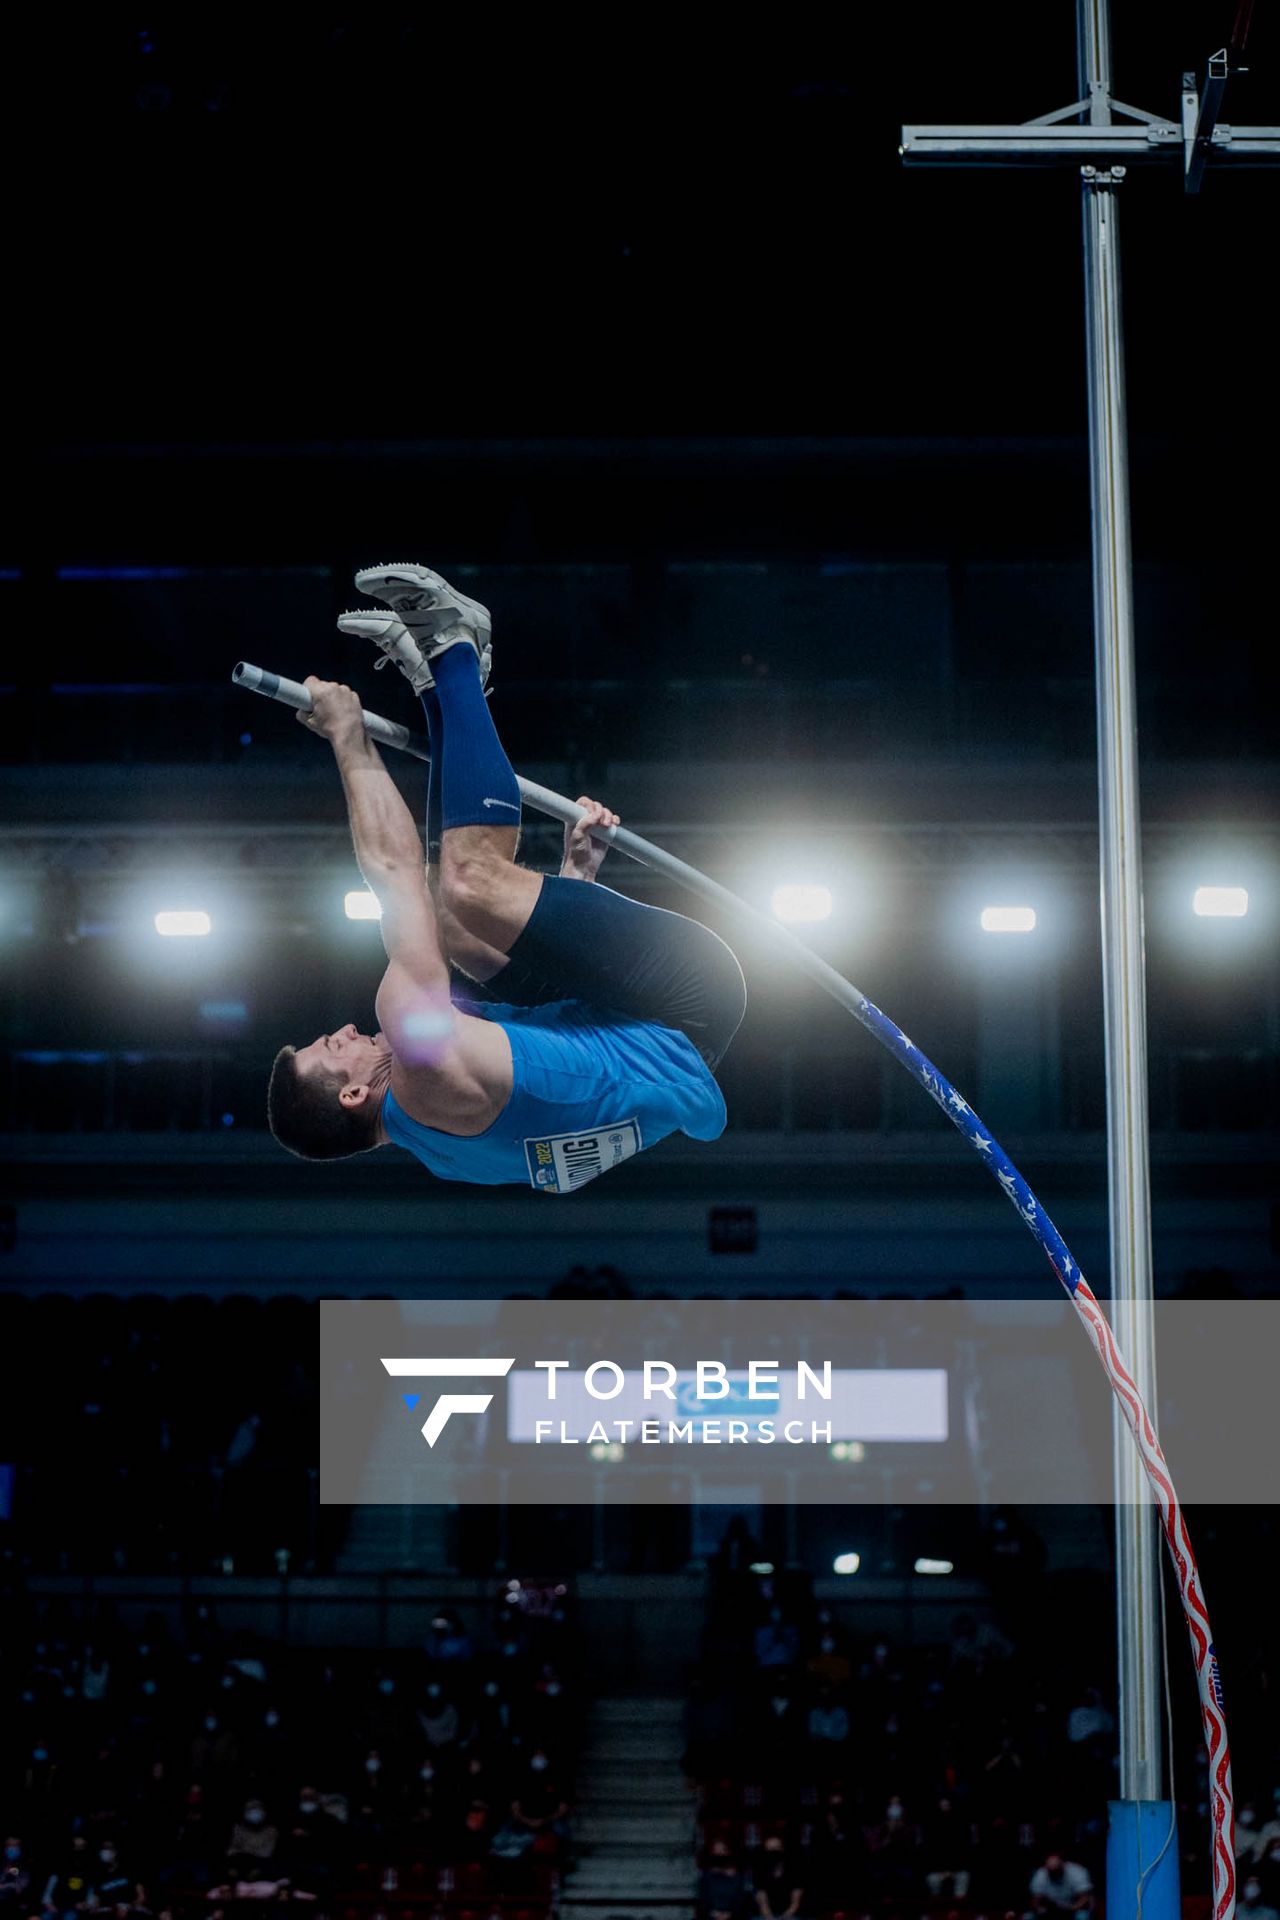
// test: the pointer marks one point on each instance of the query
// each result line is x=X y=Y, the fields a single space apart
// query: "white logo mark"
x=451 y=1369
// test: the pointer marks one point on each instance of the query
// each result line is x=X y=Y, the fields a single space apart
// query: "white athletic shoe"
x=433 y=614
x=388 y=632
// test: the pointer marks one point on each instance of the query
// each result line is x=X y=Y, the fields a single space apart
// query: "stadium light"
x=934 y=1566
x=361 y=904
x=182 y=923
x=1008 y=919
x=1220 y=903
x=798 y=902
x=846 y=1563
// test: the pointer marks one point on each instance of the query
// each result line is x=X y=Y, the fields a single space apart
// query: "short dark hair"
x=306 y=1116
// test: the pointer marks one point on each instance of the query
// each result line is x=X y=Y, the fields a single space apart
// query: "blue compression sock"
x=479 y=787
x=435 y=778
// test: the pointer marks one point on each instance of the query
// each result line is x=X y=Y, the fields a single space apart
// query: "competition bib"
x=563 y=1162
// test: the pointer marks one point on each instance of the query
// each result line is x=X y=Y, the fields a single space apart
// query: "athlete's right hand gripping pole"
x=1016 y=1190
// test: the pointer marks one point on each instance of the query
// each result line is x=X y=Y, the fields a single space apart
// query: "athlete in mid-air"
x=601 y=1021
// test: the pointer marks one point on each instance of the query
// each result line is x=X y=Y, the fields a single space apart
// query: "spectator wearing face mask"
x=254 y=1840
x=893 y=1849
x=311 y=1846
x=108 y=1883
x=15 y=1876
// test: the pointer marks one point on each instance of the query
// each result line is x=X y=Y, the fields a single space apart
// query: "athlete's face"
x=351 y=1058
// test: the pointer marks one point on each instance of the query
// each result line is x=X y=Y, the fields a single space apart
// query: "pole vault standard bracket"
x=1200 y=116
x=1107 y=132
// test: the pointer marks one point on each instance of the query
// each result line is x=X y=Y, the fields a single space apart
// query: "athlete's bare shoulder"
x=457 y=1081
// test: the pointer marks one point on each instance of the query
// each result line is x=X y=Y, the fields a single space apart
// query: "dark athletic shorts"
x=585 y=942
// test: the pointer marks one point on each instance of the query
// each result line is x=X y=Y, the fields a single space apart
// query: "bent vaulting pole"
x=1033 y=1216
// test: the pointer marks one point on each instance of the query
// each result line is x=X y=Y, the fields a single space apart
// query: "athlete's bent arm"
x=415 y=987
x=448 y=1057
x=383 y=831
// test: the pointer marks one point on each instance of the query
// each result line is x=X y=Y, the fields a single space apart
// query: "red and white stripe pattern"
x=1208 y=1679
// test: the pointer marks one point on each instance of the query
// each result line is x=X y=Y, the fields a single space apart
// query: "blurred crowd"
x=839 y=1773
x=141 y=1774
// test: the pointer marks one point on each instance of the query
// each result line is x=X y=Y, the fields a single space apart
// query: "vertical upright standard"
x=1138 y=1613
x=1105 y=137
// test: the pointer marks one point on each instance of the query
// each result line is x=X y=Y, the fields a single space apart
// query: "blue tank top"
x=589 y=1090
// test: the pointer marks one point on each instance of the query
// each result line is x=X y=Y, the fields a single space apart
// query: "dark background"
x=769 y=456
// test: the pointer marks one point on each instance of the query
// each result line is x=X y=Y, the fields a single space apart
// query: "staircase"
x=633 y=1831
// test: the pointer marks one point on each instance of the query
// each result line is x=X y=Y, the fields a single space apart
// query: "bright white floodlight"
x=846 y=1563
x=801 y=903
x=1008 y=919
x=183 y=924
x=360 y=904
x=1220 y=903
x=934 y=1566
